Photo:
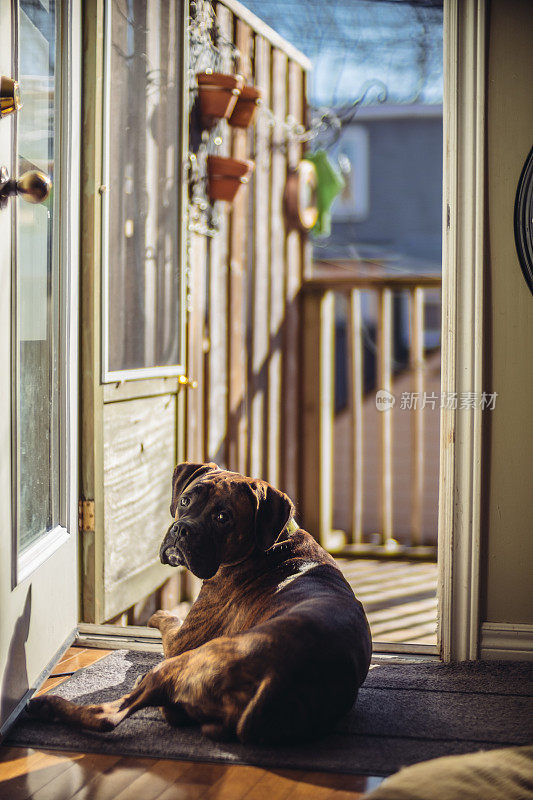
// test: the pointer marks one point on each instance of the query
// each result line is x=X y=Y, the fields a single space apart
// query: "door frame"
x=464 y=256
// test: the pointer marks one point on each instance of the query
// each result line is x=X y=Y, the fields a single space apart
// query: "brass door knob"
x=9 y=96
x=33 y=186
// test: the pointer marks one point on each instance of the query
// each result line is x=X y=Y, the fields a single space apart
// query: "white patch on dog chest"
x=302 y=568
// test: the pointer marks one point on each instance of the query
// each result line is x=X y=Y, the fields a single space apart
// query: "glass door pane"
x=141 y=272
x=36 y=338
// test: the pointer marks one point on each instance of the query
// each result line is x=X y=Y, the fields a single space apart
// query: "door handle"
x=33 y=186
x=9 y=96
x=190 y=383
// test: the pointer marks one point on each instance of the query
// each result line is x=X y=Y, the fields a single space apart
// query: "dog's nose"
x=177 y=531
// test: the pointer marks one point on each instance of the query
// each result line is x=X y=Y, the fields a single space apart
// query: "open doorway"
x=289 y=340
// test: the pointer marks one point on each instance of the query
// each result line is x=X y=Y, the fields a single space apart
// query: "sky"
x=353 y=41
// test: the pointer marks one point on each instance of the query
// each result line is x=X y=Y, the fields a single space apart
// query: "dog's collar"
x=291 y=527
x=279 y=547
x=285 y=544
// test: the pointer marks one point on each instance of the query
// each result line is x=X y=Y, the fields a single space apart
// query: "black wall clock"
x=523 y=220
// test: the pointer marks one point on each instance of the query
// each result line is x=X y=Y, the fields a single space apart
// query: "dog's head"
x=220 y=517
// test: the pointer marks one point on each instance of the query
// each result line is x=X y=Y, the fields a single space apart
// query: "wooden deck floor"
x=52 y=775
x=399 y=597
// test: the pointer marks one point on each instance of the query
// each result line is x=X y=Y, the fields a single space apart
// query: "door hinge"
x=86 y=515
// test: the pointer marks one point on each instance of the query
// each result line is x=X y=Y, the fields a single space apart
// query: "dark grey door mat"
x=405 y=713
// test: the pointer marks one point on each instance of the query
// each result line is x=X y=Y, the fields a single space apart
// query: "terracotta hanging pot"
x=226 y=176
x=217 y=94
x=243 y=114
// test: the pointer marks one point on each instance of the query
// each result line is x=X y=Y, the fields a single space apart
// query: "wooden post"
x=290 y=449
x=237 y=343
x=318 y=418
x=326 y=415
x=217 y=382
x=195 y=396
x=384 y=382
x=310 y=442
x=356 y=349
x=260 y=293
x=416 y=358
x=277 y=266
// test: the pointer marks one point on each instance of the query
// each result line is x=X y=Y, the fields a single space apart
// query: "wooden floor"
x=52 y=775
x=399 y=597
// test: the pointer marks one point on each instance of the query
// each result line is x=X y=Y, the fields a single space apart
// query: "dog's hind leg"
x=104 y=716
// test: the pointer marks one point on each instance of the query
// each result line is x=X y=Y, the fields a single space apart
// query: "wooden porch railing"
x=325 y=455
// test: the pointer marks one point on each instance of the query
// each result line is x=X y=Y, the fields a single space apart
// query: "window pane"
x=37 y=332
x=143 y=299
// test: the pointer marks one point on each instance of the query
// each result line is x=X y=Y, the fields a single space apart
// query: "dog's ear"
x=183 y=475
x=273 y=512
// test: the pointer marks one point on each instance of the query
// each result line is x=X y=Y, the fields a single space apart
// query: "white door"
x=39 y=46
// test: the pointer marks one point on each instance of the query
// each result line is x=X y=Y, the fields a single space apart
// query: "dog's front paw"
x=157 y=618
x=41 y=708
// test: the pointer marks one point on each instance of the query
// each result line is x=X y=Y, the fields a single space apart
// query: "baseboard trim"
x=118 y=637
x=405 y=648
x=506 y=641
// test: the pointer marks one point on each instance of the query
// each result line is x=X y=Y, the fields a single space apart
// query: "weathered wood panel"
x=137 y=464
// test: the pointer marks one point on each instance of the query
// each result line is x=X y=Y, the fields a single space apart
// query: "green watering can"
x=329 y=184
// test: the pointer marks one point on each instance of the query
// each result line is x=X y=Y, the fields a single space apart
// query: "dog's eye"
x=222 y=517
x=185 y=501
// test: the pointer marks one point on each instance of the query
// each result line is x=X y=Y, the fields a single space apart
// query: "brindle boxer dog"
x=275 y=647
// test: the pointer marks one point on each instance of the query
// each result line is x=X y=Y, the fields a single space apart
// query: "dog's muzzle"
x=171 y=552
x=171 y=555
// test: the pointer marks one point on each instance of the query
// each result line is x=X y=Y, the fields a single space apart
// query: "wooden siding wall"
x=245 y=281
